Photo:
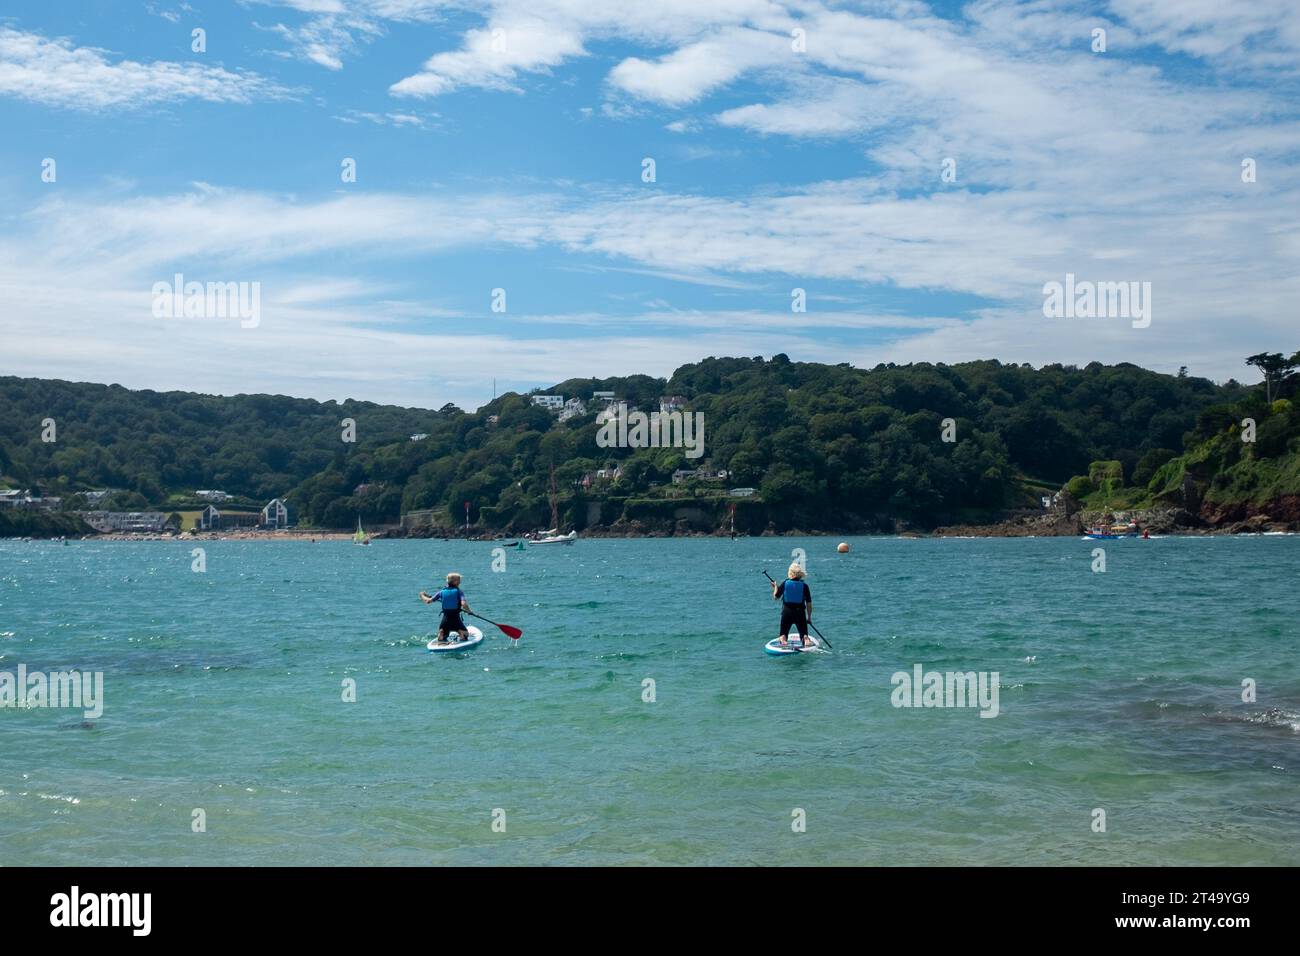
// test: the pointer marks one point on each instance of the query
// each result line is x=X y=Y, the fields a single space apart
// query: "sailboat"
x=553 y=535
x=360 y=537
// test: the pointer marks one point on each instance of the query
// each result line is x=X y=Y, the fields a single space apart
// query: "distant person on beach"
x=796 y=603
x=453 y=602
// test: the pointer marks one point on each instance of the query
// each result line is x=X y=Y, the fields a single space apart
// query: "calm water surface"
x=1119 y=691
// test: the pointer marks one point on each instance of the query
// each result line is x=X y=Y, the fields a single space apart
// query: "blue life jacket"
x=450 y=599
x=792 y=591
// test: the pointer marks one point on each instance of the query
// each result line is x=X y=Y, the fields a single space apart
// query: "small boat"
x=1113 y=531
x=551 y=537
x=360 y=537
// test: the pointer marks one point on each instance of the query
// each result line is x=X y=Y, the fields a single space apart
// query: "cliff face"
x=1278 y=514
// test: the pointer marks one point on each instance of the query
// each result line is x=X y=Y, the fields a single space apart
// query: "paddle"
x=810 y=623
x=511 y=632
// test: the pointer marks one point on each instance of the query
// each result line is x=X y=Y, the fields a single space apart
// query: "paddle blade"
x=511 y=632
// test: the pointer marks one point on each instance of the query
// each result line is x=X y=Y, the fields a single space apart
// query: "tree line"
x=822 y=444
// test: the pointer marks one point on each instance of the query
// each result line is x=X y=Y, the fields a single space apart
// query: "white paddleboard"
x=475 y=639
x=774 y=647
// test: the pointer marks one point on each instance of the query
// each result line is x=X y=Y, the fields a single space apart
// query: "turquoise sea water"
x=223 y=691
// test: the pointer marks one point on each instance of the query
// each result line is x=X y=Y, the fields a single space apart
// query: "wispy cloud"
x=493 y=58
x=383 y=119
x=1118 y=166
x=55 y=72
x=71 y=259
x=1263 y=34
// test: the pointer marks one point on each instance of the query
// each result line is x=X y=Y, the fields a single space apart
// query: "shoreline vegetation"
x=977 y=449
x=1168 y=523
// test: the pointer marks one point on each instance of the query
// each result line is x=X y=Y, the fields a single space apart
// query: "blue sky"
x=500 y=145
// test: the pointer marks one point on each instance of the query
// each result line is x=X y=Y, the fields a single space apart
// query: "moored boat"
x=553 y=538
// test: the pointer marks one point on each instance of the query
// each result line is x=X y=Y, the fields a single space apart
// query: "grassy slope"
x=1227 y=470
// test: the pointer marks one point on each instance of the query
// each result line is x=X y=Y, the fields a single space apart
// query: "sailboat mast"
x=555 y=500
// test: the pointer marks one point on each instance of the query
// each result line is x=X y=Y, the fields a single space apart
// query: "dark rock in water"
x=1252 y=525
x=1064 y=522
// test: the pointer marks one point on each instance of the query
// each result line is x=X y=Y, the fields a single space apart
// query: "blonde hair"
x=453 y=577
x=795 y=571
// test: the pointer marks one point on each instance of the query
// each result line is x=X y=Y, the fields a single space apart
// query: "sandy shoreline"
x=346 y=536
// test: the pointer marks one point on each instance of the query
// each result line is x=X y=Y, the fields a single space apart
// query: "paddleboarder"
x=796 y=603
x=452 y=599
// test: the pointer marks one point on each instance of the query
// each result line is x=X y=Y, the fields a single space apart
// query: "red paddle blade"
x=511 y=632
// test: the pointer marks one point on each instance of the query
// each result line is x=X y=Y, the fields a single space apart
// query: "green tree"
x=1275 y=368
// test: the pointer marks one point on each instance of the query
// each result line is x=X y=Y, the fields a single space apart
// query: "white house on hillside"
x=276 y=514
x=573 y=408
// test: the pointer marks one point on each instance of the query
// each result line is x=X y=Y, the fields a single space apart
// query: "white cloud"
x=493 y=57
x=1101 y=165
x=693 y=71
x=325 y=40
x=315 y=6
x=836 y=107
x=711 y=45
x=321 y=56
x=1261 y=33
x=541 y=34
x=1225 y=270
x=57 y=73
x=383 y=119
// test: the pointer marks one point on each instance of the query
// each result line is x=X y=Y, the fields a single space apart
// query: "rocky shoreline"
x=1158 y=521
x=1281 y=517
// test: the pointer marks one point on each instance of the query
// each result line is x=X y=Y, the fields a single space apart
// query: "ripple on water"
x=225 y=693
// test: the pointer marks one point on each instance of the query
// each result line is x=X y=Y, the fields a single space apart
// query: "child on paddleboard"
x=796 y=603
x=452 y=599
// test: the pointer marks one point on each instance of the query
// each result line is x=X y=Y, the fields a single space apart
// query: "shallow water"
x=223 y=691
